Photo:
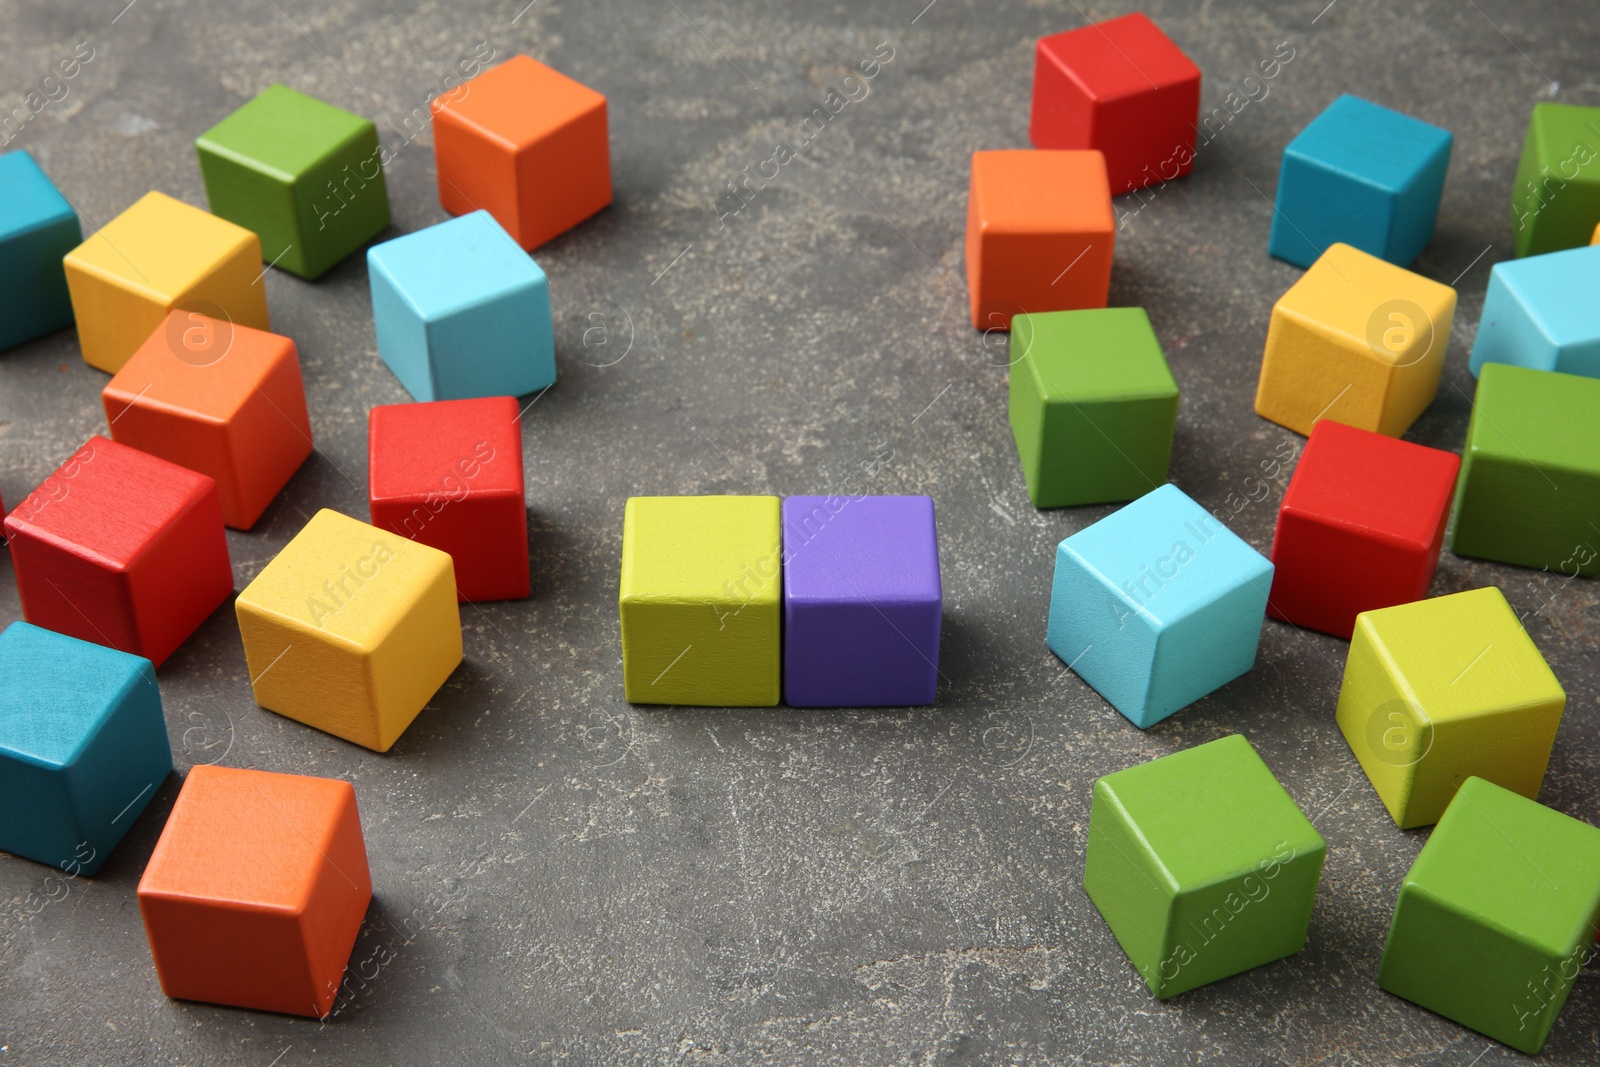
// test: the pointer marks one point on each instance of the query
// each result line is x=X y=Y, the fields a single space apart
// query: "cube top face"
x=1461 y=656
x=161 y=247
x=878 y=549
x=1038 y=191
x=283 y=133
x=31 y=199
x=1510 y=862
x=456 y=265
x=49 y=717
x=519 y=102
x=1376 y=485
x=695 y=548
x=1355 y=296
x=448 y=448
x=1556 y=291
x=1092 y=354
x=1533 y=417
x=1370 y=143
x=1119 y=57
x=198 y=366
x=1210 y=812
x=341 y=579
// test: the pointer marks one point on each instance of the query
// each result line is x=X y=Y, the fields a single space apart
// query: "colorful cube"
x=1040 y=234
x=1497 y=915
x=37 y=228
x=256 y=890
x=862 y=602
x=1439 y=690
x=527 y=144
x=449 y=474
x=220 y=399
x=83 y=746
x=121 y=548
x=1360 y=527
x=1362 y=175
x=304 y=176
x=1120 y=86
x=158 y=255
x=1093 y=405
x=351 y=629
x=1543 y=312
x=699 y=600
x=1201 y=864
x=1529 y=491
x=1157 y=605
x=1356 y=340
x=462 y=312
x=1555 y=198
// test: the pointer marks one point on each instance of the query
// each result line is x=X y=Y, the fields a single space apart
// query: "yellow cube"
x=351 y=629
x=158 y=255
x=1356 y=340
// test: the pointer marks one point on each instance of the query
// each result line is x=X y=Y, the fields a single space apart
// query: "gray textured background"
x=562 y=878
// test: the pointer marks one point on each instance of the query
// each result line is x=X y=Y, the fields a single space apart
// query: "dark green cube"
x=1555 y=199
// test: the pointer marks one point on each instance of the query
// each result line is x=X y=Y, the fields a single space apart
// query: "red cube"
x=1359 y=528
x=1123 y=87
x=121 y=548
x=448 y=473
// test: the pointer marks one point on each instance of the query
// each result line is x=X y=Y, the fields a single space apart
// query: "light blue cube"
x=1543 y=312
x=1157 y=604
x=37 y=228
x=1364 y=175
x=83 y=746
x=461 y=312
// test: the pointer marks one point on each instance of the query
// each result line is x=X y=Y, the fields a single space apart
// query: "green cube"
x=1529 y=487
x=1555 y=200
x=1496 y=916
x=1201 y=864
x=305 y=176
x=1093 y=405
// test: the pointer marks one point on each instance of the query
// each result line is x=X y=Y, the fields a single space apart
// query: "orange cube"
x=526 y=144
x=255 y=892
x=1040 y=234
x=221 y=399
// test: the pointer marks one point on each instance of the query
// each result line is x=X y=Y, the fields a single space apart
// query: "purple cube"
x=861 y=601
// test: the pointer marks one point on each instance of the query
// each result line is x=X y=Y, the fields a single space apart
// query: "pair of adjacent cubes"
x=727 y=600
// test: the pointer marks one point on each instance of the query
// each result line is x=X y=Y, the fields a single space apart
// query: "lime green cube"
x=700 y=600
x=1529 y=487
x=1201 y=864
x=1555 y=199
x=1093 y=405
x=305 y=176
x=1496 y=916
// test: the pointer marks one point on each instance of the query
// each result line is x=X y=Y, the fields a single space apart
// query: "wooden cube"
x=1040 y=234
x=158 y=255
x=1543 y=312
x=1360 y=527
x=83 y=746
x=462 y=312
x=1157 y=605
x=121 y=548
x=220 y=399
x=1362 y=175
x=1120 y=86
x=1438 y=690
x=1201 y=864
x=304 y=176
x=1356 y=340
x=699 y=600
x=1529 y=491
x=449 y=474
x=351 y=629
x=256 y=890
x=1555 y=197
x=527 y=144
x=1092 y=404
x=37 y=228
x=1497 y=915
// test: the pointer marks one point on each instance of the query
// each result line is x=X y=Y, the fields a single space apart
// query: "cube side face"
x=1326 y=573
x=840 y=655
x=1062 y=113
x=563 y=178
x=1037 y=272
x=255 y=195
x=1309 y=373
x=234 y=288
x=418 y=654
x=1510 y=748
x=31 y=276
x=1099 y=633
x=1148 y=138
x=1507 y=333
x=1416 y=209
x=327 y=683
x=267 y=442
x=1317 y=207
x=221 y=953
x=712 y=653
x=486 y=536
x=1025 y=408
x=182 y=575
x=1097 y=452
x=502 y=347
x=119 y=771
x=340 y=203
x=338 y=900
x=1205 y=650
x=1128 y=887
x=401 y=332
x=1511 y=511
x=62 y=589
x=113 y=317
x=37 y=820
x=1555 y=196
x=476 y=170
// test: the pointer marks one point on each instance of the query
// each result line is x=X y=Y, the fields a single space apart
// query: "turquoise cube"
x=461 y=312
x=83 y=746
x=37 y=228
x=1157 y=604
x=1543 y=312
x=1364 y=175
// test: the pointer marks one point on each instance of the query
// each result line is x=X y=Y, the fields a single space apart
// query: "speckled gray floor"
x=563 y=878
